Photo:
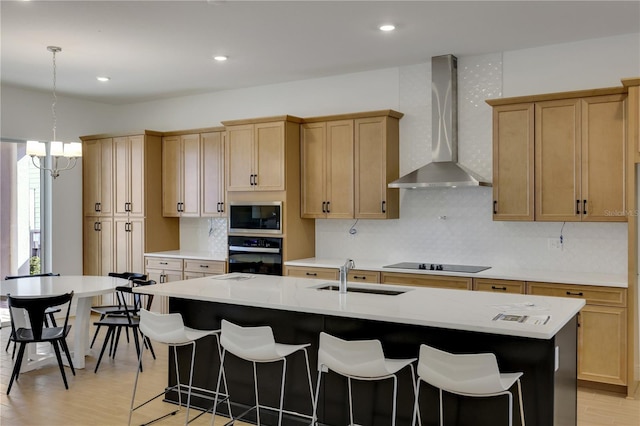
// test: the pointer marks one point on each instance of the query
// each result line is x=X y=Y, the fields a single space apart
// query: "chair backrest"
x=361 y=358
x=164 y=328
x=48 y=274
x=36 y=307
x=128 y=275
x=252 y=343
x=459 y=373
x=122 y=292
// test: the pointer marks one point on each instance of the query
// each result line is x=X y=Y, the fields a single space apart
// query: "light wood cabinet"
x=162 y=270
x=327 y=169
x=311 y=272
x=212 y=190
x=376 y=165
x=499 y=286
x=347 y=163
x=97 y=177
x=440 y=281
x=181 y=175
x=129 y=168
x=202 y=268
x=513 y=162
x=602 y=332
x=255 y=156
x=579 y=164
x=135 y=224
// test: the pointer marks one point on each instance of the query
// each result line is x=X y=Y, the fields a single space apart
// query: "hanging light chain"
x=54 y=50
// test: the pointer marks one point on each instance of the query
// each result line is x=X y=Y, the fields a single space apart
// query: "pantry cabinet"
x=181 y=175
x=347 y=163
x=578 y=168
x=327 y=169
x=255 y=152
x=116 y=242
x=602 y=329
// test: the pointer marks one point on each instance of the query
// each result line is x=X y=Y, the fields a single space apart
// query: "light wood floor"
x=39 y=398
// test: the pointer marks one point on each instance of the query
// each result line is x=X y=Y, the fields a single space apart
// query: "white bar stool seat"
x=257 y=345
x=360 y=360
x=170 y=330
x=474 y=375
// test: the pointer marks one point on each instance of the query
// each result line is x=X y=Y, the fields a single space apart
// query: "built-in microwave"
x=255 y=217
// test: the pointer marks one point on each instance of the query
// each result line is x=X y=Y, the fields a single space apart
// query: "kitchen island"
x=451 y=320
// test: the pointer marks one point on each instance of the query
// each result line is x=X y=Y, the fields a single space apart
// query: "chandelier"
x=58 y=150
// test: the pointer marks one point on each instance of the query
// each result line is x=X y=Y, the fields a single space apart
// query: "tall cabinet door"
x=129 y=244
x=557 y=160
x=97 y=177
x=513 y=162
x=313 y=156
x=339 y=169
x=171 y=176
x=239 y=153
x=97 y=245
x=269 y=157
x=604 y=158
x=212 y=161
x=190 y=180
x=129 y=168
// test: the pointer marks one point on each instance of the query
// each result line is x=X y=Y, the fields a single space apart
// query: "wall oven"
x=255 y=255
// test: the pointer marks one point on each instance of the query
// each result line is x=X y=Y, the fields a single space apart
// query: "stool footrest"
x=266 y=407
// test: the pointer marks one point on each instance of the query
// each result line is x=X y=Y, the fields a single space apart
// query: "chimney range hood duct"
x=444 y=171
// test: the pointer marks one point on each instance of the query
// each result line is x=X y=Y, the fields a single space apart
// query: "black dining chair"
x=130 y=320
x=35 y=308
x=50 y=312
x=118 y=308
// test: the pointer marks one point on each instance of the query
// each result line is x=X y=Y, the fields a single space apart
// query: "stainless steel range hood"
x=444 y=171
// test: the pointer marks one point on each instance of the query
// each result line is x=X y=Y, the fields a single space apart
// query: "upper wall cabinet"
x=255 y=152
x=347 y=162
x=181 y=175
x=633 y=113
x=560 y=157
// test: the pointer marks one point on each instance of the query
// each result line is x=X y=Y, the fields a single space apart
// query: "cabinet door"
x=239 y=158
x=268 y=157
x=136 y=184
x=602 y=349
x=171 y=176
x=458 y=283
x=311 y=272
x=603 y=158
x=513 y=154
x=372 y=195
x=498 y=286
x=339 y=169
x=190 y=182
x=212 y=160
x=97 y=245
x=121 y=245
x=136 y=245
x=557 y=160
x=313 y=170
x=97 y=177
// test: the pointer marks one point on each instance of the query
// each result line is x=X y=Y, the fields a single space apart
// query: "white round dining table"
x=84 y=288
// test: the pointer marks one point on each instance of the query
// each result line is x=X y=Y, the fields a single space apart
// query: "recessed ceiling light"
x=220 y=58
x=387 y=27
x=103 y=79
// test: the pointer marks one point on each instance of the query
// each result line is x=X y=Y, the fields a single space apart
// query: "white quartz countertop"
x=432 y=307
x=548 y=276
x=188 y=254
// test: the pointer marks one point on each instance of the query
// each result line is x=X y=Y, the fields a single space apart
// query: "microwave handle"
x=254 y=249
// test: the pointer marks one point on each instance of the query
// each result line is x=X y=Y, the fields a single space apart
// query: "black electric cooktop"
x=438 y=267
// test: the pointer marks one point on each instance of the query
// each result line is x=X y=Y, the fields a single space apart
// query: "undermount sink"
x=381 y=291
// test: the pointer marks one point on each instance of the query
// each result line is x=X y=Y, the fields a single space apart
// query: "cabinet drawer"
x=358 y=276
x=163 y=263
x=498 y=286
x=458 y=283
x=594 y=295
x=205 y=266
x=320 y=273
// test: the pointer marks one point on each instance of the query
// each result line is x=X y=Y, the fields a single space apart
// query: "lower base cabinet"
x=438 y=281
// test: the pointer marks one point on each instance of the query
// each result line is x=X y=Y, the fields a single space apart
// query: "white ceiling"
x=158 y=49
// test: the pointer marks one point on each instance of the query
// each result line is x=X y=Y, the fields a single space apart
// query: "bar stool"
x=170 y=329
x=257 y=345
x=474 y=375
x=360 y=360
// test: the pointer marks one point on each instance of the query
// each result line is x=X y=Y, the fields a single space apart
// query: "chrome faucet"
x=344 y=272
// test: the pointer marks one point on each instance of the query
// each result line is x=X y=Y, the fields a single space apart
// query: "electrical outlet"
x=554 y=244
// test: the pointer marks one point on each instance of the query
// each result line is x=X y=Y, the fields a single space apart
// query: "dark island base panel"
x=549 y=397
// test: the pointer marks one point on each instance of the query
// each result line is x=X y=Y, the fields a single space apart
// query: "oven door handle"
x=254 y=249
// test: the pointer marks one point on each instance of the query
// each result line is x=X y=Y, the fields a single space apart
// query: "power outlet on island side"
x=554 y=244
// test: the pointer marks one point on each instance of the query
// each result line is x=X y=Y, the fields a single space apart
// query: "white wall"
x=467 y=235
